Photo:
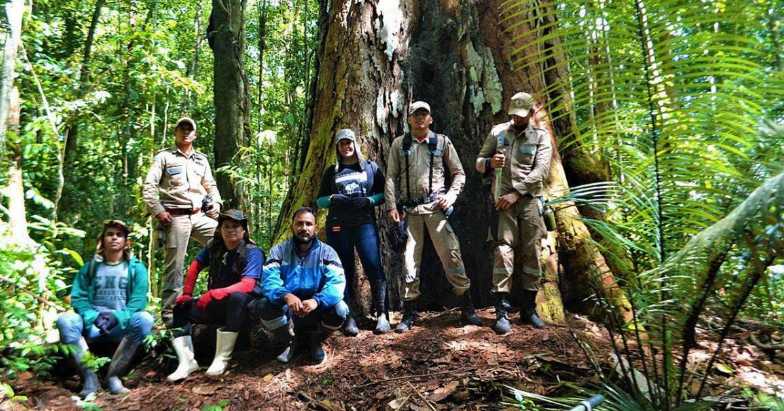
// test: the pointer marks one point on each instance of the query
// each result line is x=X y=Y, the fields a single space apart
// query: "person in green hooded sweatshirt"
x=109 y=297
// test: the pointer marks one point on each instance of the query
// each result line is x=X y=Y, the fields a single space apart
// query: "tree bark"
x=378 y=57
x=230 y=92
x=14 y=12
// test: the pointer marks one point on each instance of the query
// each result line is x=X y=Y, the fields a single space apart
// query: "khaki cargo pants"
x=182 y=228
x=520 y=226
x=430 y=217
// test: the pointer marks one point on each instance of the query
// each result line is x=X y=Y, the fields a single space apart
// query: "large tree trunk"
x=379 y=57
x=14 y=12
x=227 y=23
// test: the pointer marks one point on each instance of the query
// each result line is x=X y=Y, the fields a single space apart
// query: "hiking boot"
x=528 y=313
x=409 y=317
x=121 y=359
x=501 y=314
x=467 y=314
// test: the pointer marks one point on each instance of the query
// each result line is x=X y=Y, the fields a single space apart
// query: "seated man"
x=303 y=284
x=109 y=296
x=235 y=266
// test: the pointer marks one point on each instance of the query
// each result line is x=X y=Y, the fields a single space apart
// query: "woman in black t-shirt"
x=351 y=189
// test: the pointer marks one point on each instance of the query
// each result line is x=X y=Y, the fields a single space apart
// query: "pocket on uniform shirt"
x=175 y=174
x=527 y=153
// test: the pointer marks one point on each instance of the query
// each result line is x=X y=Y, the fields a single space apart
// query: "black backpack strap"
x=432 y=146
x=407 y=141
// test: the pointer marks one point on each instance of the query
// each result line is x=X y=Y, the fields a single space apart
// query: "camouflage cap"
x=186 y=120
x=417 y=105
x=521 y=104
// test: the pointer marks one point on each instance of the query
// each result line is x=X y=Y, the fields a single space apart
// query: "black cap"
x=232 y=214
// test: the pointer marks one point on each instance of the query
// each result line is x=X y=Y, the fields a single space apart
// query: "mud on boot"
x=382 y=324
x=89 y=379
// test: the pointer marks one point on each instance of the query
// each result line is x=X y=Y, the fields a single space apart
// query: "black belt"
x=182 y=211
x=416 y=201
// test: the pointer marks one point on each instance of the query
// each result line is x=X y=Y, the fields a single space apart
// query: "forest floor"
x=435 y=366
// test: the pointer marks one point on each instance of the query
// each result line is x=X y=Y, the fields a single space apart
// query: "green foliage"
x=682 y=101
x=218 y=407
x=32 y=283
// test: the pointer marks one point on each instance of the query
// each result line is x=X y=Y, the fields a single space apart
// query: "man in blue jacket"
x=109 y=297
x=303 y=284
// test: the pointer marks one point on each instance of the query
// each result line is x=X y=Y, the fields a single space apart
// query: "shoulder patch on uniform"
x=499 y=128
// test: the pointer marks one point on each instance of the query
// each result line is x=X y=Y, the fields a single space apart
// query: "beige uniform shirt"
x=445 y=157
x=528 y=157
x=177 y=181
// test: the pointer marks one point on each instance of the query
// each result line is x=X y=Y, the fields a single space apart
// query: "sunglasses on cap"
x=113 y=222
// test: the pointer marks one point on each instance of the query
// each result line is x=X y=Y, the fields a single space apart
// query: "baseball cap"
x=521 y=104
x=186 y=119
x=345 y=134
x=232 y=214
x=417 y=105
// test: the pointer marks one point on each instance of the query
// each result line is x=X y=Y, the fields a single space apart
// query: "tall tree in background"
x=226 y=33
x=380 y=56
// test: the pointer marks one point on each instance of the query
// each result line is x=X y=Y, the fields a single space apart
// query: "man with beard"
x=303 y=284
x=522 y=153
x=174 y=191
x=416 y=179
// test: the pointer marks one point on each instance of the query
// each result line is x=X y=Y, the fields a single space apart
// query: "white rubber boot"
x=183 y=346
x=223 y=348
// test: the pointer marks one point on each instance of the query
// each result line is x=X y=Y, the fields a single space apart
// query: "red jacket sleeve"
x=191 y=276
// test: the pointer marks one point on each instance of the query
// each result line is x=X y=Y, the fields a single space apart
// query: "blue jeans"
x=275 y=316
x=365 y=238
x=72 y=328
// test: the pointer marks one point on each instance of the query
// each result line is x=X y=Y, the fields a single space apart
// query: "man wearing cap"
x=235 y=264
x=109 y=295
x=302 y=284
x=418 y=164
x=522 y=153
x=175 y=190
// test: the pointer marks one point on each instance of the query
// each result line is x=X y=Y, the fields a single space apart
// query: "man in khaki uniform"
x=174 y=189
x=523 y=153
x=415 y=179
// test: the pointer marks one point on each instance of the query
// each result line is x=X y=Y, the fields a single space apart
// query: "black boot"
x=286 y=339
x=501 y=313
x=120 y=361
x=528 y=313
x=409 y=316
x=350 y=328
x=89 y=378
x=379 y=302
x=467 y=314
x=316 y=340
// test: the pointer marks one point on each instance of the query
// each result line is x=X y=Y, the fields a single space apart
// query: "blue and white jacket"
x=318 y=275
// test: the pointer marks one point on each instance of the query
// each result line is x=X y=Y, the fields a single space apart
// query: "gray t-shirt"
x=111 y=285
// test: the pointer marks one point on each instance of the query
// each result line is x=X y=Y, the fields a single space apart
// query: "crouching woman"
x=235 y=264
